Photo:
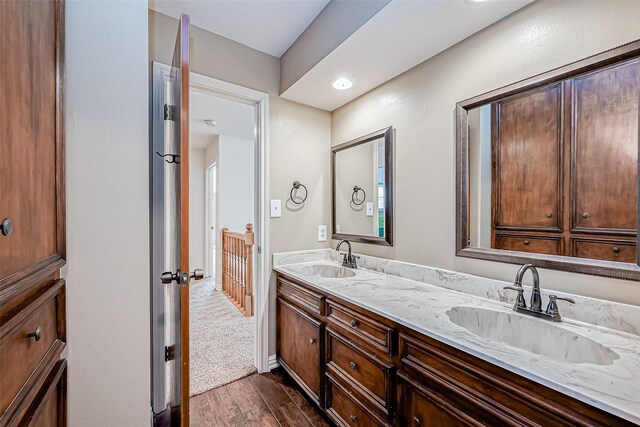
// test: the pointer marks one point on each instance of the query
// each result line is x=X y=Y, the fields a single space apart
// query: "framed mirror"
x=362 y=189
x=547 y=169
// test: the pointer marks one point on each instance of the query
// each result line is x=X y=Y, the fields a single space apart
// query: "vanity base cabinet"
x=366 y=370
x=300 y=347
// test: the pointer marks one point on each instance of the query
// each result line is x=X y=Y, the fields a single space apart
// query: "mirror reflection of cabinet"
x=362 y=203
x=548 y=168
x=564 y=169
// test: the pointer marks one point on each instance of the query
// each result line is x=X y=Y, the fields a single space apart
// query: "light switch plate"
x=369 y=208
x=338 y=228
x=276 y=208
x=322 y=233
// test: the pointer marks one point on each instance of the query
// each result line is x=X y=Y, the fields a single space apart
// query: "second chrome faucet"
x=535 y=305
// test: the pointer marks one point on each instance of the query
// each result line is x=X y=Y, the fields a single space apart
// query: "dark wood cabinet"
x=564 y=166
x=32 y=214
x=371 y=371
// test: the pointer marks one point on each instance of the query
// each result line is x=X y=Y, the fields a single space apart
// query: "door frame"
x=210 y=269
x=262 y=265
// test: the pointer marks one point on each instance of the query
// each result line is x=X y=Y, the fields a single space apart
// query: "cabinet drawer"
x=49 y=408
x=301 y=296
x=345 y=410
x=368 y=372
x=611 y=250
x=421 y=407
x=371 y=332
x=33 y=335
x=537 y=244
x=300 y=347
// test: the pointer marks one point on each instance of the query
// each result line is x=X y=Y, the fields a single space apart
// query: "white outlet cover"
x=369 y=208
x=276 y=208
x=322 y=233
x=338 y=228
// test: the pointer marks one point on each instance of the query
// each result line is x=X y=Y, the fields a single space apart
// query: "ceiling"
x=399 y=37
x=269 y=26
x=234 y=119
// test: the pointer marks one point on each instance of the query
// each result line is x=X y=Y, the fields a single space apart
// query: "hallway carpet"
x=222 y=340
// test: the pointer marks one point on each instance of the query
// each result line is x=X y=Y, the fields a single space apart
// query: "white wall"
x=197 y=210
x=107 y=274
x=420 y=104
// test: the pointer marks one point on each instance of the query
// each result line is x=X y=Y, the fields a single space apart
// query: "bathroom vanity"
x=396 y=344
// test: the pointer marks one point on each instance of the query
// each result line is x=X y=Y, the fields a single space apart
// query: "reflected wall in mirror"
x=362 y=205
x=551 y=168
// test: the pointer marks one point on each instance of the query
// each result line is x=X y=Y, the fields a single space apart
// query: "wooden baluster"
x=224 y=260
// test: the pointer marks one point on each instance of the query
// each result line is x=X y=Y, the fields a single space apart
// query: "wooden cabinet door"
x=527 y=147
x=300 y=346
x=605 y=149
x=32 y=159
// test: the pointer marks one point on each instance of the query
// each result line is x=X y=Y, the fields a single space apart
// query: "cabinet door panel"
x=605 y=148
x=300 y=346
x=537 y=244
x=607 y=249
x=527 y=138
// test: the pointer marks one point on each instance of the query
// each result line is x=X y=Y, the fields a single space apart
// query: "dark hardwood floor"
x=267 y=400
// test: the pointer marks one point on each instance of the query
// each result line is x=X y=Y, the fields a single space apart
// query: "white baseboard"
x=273 y=362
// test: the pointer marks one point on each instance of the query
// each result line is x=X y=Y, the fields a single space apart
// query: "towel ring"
x=356 y=189
x=297 y=185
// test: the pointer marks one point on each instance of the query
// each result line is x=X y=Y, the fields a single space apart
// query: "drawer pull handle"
x=311 y=340
x=416 y=421
x=615 y=250
x=585 y=214
x=526 y=242
x=353 y=418
x=37 y=334
x=353 y=366
x=354 y=323
x=548 y=215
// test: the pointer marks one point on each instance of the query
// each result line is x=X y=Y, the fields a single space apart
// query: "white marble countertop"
x=423 y=307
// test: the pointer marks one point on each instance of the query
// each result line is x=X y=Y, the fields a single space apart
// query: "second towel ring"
x=297 y=185
x=356 y=189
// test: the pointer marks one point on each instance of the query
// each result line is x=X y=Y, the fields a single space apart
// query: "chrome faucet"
x=535 y=309
x=349 y=259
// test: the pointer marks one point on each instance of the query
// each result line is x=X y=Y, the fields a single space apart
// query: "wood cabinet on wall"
x=564 y=166
x=32 y=211
x=363 y=369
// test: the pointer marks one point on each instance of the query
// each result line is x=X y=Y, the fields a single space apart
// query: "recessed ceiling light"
x=342 y=83
x=478 y=1
x=211 y=123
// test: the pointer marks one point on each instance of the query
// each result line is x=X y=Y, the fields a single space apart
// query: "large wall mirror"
x=362 y=183
x=547 y=168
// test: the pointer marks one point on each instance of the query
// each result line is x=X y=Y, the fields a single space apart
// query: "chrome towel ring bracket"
x=357 y=189
x=296 y=186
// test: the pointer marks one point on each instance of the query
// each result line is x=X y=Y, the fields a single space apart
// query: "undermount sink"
x=531 y=335
x=328 y=271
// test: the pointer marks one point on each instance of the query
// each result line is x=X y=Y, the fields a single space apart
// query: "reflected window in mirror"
x=362 y=193
x=550 y=168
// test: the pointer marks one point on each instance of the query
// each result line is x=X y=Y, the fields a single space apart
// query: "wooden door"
x=300 y=345
x=605 y=149
x=527 y=146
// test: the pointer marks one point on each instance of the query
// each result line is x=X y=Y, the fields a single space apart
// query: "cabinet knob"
x=353 y=418
x=37 y=334
x=353 y=366
x=526 y=242
x=6 y=227
x=354 y=323
x=311 y=340
x=585 y=214
x=615 y=250
x=416 y=421
x=548 y=215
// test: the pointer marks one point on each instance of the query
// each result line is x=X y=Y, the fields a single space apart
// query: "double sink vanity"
x=391 y=343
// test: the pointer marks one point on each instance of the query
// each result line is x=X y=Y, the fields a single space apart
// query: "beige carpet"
x=222 y=342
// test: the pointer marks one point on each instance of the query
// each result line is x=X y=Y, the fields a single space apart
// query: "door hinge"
x=169 y=112
x=169 y=353
x=259 y=250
